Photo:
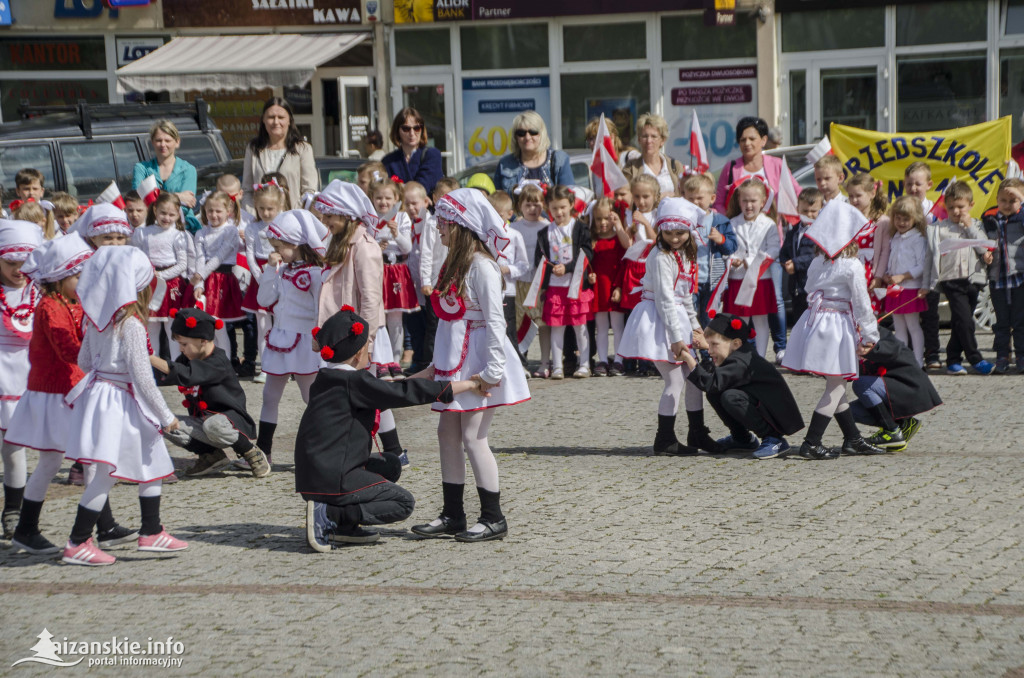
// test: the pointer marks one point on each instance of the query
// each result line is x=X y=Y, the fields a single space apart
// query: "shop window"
x=605 y=42
x=686 y=38
x=833 y=29
x=798 y=107
x=20 y=156
x=432 y=47
x=620 y=96
x=1014 y=17
x=940 y=92
x=1011 y=88
x=940 y=22
x=508 y=46
x=52 y=54
x=300 y=98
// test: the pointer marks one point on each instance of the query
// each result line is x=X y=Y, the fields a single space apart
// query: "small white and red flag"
x=111 y=194
x=788 y=207
x=699 y=158
x=605 y=163
x=149 y=190
x=820 y=150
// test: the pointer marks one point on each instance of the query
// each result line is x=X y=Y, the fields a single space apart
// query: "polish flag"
x=525 y=333
x=938 y=211
x=698 y=151
x=788 y=208
x=111 y=194
x=149 y=190
x=820 y=150
x=604 y=163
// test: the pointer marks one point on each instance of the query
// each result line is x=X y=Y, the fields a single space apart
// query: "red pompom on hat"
x=882 y=371
x=315 y=331
x=342 y=335
x=327 y=353
x=736 y=323
x=349 y=308
x=184 y=403
x=202 y=405
x=357 y=328
x=712 y=313
x=195 y=324
x=182 y=389
x=218 y=324
x=191 y=322
x=174 y=313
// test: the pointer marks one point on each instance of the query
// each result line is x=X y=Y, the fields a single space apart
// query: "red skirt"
x=249 y=302
x=561 y=311
x=914 y=303
x=763 y=303
x=174 y=299
x=633 y=277
x=399 y=290
x=223 y=297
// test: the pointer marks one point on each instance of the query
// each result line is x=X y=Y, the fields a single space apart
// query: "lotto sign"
x=977 y=154
x=490 y=104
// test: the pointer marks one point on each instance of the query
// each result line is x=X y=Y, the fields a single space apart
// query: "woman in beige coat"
x=278 y=147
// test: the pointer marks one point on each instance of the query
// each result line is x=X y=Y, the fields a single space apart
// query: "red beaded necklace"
x=22 y=312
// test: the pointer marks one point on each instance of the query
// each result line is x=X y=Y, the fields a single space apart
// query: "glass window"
x=88 y=167
x=605 y=42
x=940 y=92
x=938 y=22
x=508 y=46
x=797 y=107
x=620 y=96
x=300 y=98
x=833 y=29
x=1015 y=17
x=1011 y=87
x=18 y=156
x=430 y=47
x=686 y=38
x=125 y=157
x=429 y=101
x=198 y=150
x=849 y=96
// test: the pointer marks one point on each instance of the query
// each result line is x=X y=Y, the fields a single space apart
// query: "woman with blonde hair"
x=173 y=174
x=651 y=134
x=532 y=156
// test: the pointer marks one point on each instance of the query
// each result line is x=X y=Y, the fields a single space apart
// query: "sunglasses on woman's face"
x=411 y=128
x=523 y=132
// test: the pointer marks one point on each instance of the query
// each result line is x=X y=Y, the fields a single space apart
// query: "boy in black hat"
x=745 y=390
x=344 y=485
x=213 y=397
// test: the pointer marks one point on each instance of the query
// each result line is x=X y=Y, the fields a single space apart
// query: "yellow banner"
x=977 y=154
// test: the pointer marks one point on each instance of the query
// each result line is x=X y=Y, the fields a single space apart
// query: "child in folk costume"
x=645 y=192
x=41 y=418
x=104 y=224
x=343 y=483
x=868 y=196
x=531 y=223
x=757 y=245
x=745 y=390
x=394 y=235
x=471 y=342
x=39 y=213
x=610 y=242
x=117 y=410
x=628 y=285
x=290 y=287
x=432 y=256
x=514 y=265
x=352 y=277
x=908 y=257
x=270 y=200
x=217 y=417
x=164 y=242
x=416 y=204
x=837 y=326
x=217 y=244
x=18 y=299
x=663 y=324
x=562 y=249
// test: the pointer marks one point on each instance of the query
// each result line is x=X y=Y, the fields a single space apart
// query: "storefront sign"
x=36 y=92
x=977 y=155
x=5 y=13
x=490 y=104
x=725 y=94
x=52 y=54
x=422 y=11
x=131 y=49
x=205 y=13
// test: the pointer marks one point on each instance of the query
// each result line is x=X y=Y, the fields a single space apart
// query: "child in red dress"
x=610 y=241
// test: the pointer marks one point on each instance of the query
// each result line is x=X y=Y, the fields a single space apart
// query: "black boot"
x=27 y=536
x=812 y=447
x=265 y=439
x=491 y=517
x=699 y=435
x=453 y=514
x=853 y=441
x=12 y=509
x=665 y=441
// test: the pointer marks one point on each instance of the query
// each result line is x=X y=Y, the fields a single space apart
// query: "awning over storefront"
x=233 y=62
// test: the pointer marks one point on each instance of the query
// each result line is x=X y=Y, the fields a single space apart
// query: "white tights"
x=760 y=324
x=834 y=398
x=395 y=332
x=264 y=323
x=99 y=482
x=155 y=327
x=907 y=328
x=221 y=341
x=15 y=466
x=602 y=321
x=558 y=346
x=675 y=384
x=274 y=389
x=461 y=435
x=39 y=481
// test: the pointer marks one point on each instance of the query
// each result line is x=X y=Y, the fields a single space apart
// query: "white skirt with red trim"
x=289 y=353
x=824 y=342
x=469 y=351
x=40 y=422
x=646 y=335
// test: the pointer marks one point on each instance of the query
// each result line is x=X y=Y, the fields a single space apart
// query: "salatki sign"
x=978 y=155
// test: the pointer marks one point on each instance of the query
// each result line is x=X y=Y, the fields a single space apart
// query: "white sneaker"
x=260 y=378
x=558 y=373
x=779 y=355
x=581 y=373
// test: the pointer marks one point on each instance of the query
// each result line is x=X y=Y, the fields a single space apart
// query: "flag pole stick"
x=905 y=303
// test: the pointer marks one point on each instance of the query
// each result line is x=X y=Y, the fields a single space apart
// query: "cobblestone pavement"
x=617 y=563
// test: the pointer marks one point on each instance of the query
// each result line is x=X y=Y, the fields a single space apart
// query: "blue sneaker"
x=404 y=458
x=319 y=527
x=956 y=369
x=770 y=448
x=731 y=445
x=983 y=367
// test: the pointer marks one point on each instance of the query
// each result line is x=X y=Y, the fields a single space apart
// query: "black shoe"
x=246 y=370
x=36 y=544
x=818 y=452
x=448 y=527
x=491 y=531
x=861 y=446
x=118 y=534
x=891 y=440
x=681 y=450
x=352 y=534
x=702 y=440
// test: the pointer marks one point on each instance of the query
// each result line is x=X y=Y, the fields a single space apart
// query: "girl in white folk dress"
x=270 y=200
x=471 y=341
x=837 y=327
x=117 y=411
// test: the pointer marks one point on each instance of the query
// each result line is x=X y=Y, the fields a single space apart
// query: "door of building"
x=821 y=91
x=433 y=97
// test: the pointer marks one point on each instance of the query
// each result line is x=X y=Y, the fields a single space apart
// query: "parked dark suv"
x=80 y=148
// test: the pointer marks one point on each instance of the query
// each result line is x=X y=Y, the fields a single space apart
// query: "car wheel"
x=984 y=312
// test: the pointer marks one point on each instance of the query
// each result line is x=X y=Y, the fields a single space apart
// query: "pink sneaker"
x=86 y=553
x=161 y=543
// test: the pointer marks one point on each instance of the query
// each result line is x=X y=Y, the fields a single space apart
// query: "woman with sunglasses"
x=532 y=156
x=413 y=160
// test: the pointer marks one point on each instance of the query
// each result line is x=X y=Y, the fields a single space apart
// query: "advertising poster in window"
x=490 y=104
x=621 y=111
x=721 y=95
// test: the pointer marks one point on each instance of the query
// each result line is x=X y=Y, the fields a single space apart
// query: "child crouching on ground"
x=215 y=400
x=343 y=484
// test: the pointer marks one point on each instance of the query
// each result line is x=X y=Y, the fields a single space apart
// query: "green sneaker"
x=909 y=426
x=889 y=440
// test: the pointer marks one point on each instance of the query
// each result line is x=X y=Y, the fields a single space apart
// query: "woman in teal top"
x=173 y=175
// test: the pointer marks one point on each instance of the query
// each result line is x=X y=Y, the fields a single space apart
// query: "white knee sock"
x=557 y=346
x=583 y=344
x=601 y=325
x=394 y=323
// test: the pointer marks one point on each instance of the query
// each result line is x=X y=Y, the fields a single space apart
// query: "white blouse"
x=908 y=253
x=759 y=235
x=166 y=248
x=844 y=279
x=671 y=288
